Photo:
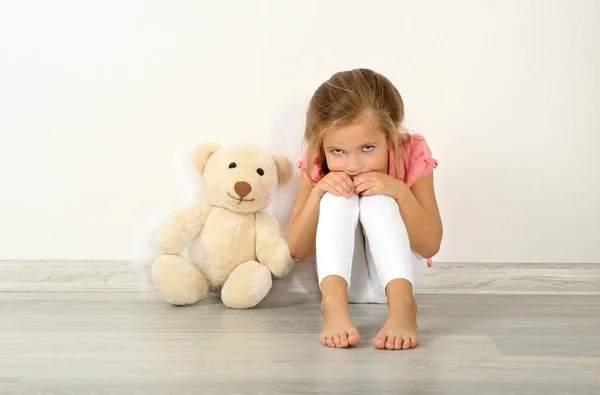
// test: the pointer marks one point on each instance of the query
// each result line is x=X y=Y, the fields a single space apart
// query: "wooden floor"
x=132 y=343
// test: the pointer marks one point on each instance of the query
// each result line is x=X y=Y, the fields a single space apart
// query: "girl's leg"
x=377 y=293
x=359 y=290
x=393 y=262
x=340 y=250
x=387 y=238
x=336 y=231
x=338 y=219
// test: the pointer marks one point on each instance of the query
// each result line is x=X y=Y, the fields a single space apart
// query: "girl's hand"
x=336 y=183
x=378 y=183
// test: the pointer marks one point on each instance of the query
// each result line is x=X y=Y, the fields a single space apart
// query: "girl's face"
x=357 y=148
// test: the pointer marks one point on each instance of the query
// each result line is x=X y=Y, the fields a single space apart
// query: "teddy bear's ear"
x=202 y=153
x=284 y=168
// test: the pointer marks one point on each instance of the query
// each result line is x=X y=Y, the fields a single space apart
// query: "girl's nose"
x=353 y=168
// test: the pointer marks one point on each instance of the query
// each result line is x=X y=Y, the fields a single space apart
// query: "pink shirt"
x=413 y=162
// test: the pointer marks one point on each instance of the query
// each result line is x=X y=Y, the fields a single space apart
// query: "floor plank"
x=128 y=343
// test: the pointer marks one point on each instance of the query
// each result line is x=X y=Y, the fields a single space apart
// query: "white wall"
x=101 y=103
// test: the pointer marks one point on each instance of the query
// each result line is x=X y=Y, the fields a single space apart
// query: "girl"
x=366 y=207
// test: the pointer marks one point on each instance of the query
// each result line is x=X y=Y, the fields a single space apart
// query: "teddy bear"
x=233 y=245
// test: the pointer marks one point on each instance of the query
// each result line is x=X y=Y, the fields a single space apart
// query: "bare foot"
x=339 y=330
x=400 y=329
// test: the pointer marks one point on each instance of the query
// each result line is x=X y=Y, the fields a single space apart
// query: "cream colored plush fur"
x=233 y=246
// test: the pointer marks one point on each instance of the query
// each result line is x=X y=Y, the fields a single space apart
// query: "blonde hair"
x=343 y=99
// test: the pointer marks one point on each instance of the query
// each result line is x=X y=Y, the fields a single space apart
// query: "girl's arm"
x=302 y=228
x=419 y=210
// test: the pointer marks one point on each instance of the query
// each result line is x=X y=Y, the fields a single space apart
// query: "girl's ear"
x=201 y=155
x=284 y=168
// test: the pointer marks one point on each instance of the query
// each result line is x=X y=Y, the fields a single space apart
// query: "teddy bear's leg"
x=178 y=281
x=271 y=246
x=246 y=286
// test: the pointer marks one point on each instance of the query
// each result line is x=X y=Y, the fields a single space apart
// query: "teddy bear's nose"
x=242 y=188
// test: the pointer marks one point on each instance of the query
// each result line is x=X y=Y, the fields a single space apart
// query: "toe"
x=323 y=339
x=336 y=341
x=353 y=338
x=398 y=343
x=390 y=342
x=414 y=341
x=344 y=339
x=379 y=341
x=330 y=341
x=406 y=343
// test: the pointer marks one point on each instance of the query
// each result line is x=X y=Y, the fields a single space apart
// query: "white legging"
x=364 y=241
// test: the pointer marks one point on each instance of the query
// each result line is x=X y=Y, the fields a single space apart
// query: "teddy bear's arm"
x=271 y=246
x=175 y=235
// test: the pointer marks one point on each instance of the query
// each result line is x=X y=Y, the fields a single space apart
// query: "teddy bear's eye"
x=260 y=172
x=232 y=165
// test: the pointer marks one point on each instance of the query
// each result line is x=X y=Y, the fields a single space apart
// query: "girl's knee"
x=378 y=204
x=338 y=204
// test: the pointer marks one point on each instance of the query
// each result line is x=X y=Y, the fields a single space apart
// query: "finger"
x=347 y=192
x=363 y=183
x=336 y=182
x=366 y=186
x=348 y=181
x=341 y=189
x=362 y=177
x=336 y=189
x=345 y=181
x=371 y=191
x=331 y=189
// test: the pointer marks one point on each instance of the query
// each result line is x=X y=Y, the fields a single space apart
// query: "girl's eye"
x=337 y=151
x=368 y=148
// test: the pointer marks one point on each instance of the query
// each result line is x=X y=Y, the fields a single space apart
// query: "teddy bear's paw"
x=171 y=239
x=278 y=260
x=178 y=281
x=247 y=286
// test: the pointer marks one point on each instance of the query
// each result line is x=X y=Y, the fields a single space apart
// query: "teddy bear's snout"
x=242 y=188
